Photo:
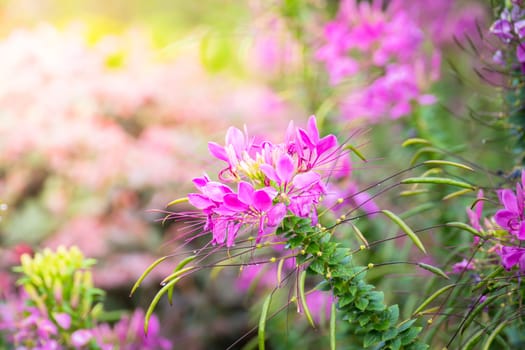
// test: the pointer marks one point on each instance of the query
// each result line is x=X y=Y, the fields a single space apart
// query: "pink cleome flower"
x=272 y=180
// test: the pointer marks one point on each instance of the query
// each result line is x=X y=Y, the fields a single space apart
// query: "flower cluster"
x=272 y=180
x=56 y=309
x=381 y=49
x=512 y=219
x=510 y=28
x=101 y=126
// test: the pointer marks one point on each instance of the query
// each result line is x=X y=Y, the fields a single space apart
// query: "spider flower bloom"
x=511 y=256
x=368 y=40
x=512 y=218
x=273 y=180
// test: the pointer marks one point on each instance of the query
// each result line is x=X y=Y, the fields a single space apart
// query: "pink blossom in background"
x=384 y=56
x=462 y=266
x=100 y=144
x=320 y=303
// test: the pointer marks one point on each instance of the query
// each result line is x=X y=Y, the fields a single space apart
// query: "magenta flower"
x=512 y=218
x=512 y=256
x=368 y=39
x=463 y=265
x=81 y=337
x=476 y=214
x=272 y=180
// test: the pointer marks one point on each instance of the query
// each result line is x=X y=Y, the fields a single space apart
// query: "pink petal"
x=81 y=337
x=245 y=191
x=270 y=173
x=200 y=201
x=326 y=143
x=305 y=180
x=217 y=151
x=313 y=132
x=508 y=199
x=233 y=203
x=285 y=168
x=262 y=201
x=235 y=137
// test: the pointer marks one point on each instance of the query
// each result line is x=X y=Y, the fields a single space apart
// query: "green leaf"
x=472 y=314
x=363 y=319
x=156 y=300
x=456 y=194
x=473 y=340
x=406 y=325
x=437 y=181
x=317 y=267
x=393 y=313
x=408 y=336
x=399 y=222
x=361 y=303
x=145 y=273
x=415 y=141
x=433 y=297
x=261 y=334
x=302 y=296
x=448 y=163
x=332 y=326
x=371 y=338
x=433 y=269
x=486 y=345
x=395 y=344
x=356 y=151
x=390 y=333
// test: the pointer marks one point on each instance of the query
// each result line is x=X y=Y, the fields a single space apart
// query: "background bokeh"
x=106 y=108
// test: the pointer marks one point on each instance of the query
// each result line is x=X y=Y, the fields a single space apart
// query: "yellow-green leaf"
x=399 y=222
x=431 y=298
x=437 y=181
x=145 y=273
x=448 y=163
x=433 y=269
x=261 y=335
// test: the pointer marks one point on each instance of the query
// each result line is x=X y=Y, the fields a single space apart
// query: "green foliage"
x=375 y=323
x=61 y=282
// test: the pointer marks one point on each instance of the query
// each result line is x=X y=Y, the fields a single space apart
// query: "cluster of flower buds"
x=510 y=28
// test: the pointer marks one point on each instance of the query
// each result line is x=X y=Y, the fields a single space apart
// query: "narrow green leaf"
x=332 y=327
x=399 y=222
x=446 y=162
x=422 y=151
x=176 y=274
x=145 y=273
x=261 y=335
x=156 y=300
x=302 y=296
x=486 y=345
x=413 y=192
x=415 y=141
x=431 y=298
x=177 y=201
x=433 y=269
x=359 y=234
x=356 y=151
x=463 y=226
x=437 y=181
x=280 y=272
x=472 y=314
x=473 y=340
x=456 y=194
x=183 y=263
x=489 y=277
